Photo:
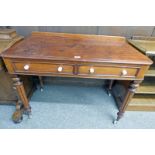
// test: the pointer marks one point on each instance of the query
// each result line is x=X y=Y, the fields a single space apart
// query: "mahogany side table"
x=76 y=55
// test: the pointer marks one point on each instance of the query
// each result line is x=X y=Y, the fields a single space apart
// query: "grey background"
x=126 y=31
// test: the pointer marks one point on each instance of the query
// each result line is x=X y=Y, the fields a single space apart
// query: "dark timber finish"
x=77 y=55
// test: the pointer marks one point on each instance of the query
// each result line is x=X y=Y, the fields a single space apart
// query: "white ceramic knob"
x=91 y=70
x=26 y=67
x=60 y=69
x=124 y=72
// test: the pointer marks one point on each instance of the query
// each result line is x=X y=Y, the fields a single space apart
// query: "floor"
x=75 y=107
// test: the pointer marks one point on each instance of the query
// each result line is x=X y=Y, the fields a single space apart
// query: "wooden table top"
x=76 y=47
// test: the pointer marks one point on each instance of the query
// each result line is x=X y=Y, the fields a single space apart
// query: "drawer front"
x=43 y=68
x=75 y=70
x=108 y=71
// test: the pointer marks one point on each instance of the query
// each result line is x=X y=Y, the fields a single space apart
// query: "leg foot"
x=115 y=122
x=41 y=83
x=109 y=92
x=17 y=116
x=119 y=116
x=129 y=94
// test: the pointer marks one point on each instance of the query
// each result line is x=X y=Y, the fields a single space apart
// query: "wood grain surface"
x=76 y=47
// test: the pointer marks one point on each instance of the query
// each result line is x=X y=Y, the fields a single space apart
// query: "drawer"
x=42 y=68
x=108 y=71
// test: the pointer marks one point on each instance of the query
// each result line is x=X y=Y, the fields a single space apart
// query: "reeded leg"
x=41 y=83
x=25 y=107
x=131 y=90
x=109 y=88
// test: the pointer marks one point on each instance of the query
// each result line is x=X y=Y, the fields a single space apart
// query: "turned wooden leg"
x=41 y=83
x=131 y=90
x=109 y=88
x=25 y=109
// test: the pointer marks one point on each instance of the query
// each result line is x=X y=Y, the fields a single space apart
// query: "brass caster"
x=109 y=94
x=115 y=122
x=107 y=90
x=17 y=116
